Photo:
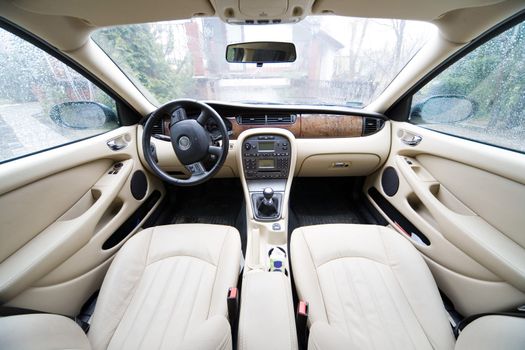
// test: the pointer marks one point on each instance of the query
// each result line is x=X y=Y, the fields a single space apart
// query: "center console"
x=267 y=319
x=266 y=156
x=266 y=160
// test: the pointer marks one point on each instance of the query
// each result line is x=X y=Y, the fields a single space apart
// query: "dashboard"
x=302 y=123
x=329 y=141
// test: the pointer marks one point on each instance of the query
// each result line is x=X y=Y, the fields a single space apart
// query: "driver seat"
x=166 y=289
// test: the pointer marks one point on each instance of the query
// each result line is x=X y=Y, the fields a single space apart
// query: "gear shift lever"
x=268 y=195
x=267 y=206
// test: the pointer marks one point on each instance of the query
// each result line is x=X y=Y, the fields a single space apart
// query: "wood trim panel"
x=330 y=125
x=312 y=126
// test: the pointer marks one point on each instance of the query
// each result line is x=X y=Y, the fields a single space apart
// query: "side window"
x=480 y=97
x=44 y=103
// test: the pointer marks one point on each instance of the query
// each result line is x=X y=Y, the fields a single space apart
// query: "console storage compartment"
x=267 y=314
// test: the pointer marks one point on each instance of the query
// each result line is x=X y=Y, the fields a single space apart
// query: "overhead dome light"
x=262 y=12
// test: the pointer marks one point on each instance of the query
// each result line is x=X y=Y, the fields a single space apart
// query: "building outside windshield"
x=340 y=60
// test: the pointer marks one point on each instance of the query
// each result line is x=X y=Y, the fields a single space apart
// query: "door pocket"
x=400 y=221
x=132 y=222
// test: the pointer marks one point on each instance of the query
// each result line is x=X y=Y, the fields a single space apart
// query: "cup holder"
x=279 y=249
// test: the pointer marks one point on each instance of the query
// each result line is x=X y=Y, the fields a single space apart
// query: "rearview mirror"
x=444 y=109
x=82 y=115
x=261 y=52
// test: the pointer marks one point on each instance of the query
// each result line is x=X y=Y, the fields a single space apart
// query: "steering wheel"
x=192 y=143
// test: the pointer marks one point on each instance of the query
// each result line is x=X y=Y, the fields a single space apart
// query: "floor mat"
x=215 y=202
x=326 y=201
x=219 y=202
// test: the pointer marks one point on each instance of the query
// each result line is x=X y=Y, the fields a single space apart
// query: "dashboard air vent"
x=157 y=127
x=372 y=125
x=268 y=119
x=280 y=119
x=251 y=119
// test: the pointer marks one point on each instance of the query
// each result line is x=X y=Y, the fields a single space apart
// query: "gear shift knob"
x=267 y=206
x=268 y=193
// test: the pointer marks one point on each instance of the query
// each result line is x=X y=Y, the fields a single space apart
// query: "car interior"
x=262 y=174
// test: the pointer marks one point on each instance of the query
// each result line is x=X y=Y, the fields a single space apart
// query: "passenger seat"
x=369 y=288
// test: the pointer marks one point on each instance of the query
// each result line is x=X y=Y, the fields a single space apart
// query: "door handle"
x=411 y=140
x=118 y=143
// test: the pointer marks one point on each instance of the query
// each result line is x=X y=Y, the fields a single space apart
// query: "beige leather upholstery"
x=166 y=289
x=166 y=284
x=41 y=331
x=267 y=316
x=493 y=332
x=368 y=288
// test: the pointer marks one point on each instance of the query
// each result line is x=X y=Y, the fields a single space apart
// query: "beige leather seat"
x=369 y=288
x=166 y=289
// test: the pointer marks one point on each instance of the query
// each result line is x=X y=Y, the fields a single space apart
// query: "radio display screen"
x=266 y=163
x=266 y=146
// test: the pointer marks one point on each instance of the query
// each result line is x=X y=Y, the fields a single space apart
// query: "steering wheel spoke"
x=196 y=169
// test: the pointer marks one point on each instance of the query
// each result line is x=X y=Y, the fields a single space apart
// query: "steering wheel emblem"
x=184 y=143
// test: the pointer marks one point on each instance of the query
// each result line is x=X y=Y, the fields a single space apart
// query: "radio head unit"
x=266 y=157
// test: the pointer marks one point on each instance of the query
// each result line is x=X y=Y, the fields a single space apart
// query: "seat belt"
x=301 y=322
x=233 y=310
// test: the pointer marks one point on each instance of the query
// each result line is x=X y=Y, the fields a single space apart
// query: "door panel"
x=64 y=298
x=508 y=219
x=15 y=232
x=58 y=209
x=468 y=199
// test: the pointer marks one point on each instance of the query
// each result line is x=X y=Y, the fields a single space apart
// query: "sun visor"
x=424 y=10
x=102 y=13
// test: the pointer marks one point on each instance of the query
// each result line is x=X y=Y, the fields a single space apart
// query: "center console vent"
x=266 y=119
x=372 y=125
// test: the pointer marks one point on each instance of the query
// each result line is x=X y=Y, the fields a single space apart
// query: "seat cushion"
x=368 y=288
x=41 y=331
x=493 y=332
x=167 y=289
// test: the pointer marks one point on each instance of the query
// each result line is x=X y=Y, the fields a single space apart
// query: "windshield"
x=340 y=60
